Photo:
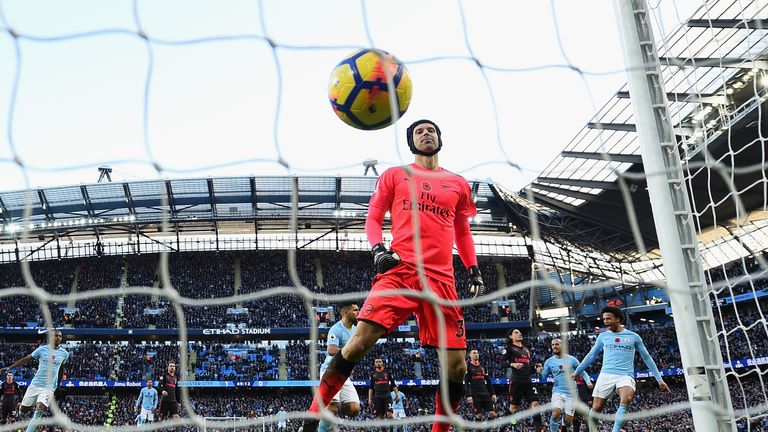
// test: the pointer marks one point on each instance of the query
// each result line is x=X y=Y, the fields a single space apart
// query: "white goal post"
x=232 y=424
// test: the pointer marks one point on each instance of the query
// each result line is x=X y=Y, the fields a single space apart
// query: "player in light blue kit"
x=399 y=403
x=338 y=336
x=560 y=367
x=148 y=402
x=282 y=420
x=618 y=372
x=46 y=380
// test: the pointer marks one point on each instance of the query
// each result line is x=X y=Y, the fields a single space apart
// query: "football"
x=359 y=92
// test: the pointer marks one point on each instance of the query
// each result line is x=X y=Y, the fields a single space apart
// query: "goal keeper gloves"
x=383 y=259
x=476 y=284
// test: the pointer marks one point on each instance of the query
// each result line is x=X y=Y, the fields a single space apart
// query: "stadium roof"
x=714 y=69
x=208 y=206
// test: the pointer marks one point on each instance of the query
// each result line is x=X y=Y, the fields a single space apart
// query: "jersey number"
x=460 y=331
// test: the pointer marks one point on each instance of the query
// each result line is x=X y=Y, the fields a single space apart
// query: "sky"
x=221 y=102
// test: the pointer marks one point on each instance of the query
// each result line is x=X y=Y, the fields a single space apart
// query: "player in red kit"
x=443 y=202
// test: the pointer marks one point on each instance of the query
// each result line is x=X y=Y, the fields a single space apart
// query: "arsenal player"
x=480 y=393
x=520 y=385
x=11 y=397
x=379 y=394
x=168 y=384
x=430 y=209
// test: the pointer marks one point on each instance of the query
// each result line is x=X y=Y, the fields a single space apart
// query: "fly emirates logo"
x=427 y=204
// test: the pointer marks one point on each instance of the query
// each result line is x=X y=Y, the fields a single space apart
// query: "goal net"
x=658 y=204
x=221 y=424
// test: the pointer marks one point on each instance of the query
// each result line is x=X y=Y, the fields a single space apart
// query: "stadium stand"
x=212 y=275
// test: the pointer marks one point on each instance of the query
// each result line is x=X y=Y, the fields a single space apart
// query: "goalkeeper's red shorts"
x=391 y=310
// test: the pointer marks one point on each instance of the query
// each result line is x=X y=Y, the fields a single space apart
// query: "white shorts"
x=147 y=414
x=398 y=413
x=607 y=383
x=563 y=402
x=35 y=395
x=282 y=424
x=347 y=394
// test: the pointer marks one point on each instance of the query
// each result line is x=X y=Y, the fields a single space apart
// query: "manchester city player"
x=46 y=380
x=559 y=366
x=148 y=402
x=618 y=372
x=338 y=335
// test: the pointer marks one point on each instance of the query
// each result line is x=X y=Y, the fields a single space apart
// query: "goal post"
x=685 y=283
x=230 y=424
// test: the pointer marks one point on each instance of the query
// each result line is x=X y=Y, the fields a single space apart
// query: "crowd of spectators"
x=221 y=363
x=738 y=277
x=398 y=359
x=209 y=275
x=516 y=272
x=117 y=408
x=141 y=272
x=405 y=358
x=297 y=360
x=58 y=277
x=743 y=334
x=206 y=275
x=345 y=272
x=20 y=311
x=55 y=277
x=94 y=360
x=96 y=274
x=197 y=276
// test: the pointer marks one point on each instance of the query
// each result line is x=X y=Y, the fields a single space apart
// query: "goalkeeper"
x=443 y=203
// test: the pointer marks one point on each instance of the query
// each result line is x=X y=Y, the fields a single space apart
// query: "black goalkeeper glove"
x=383 y=259
x=476 y=284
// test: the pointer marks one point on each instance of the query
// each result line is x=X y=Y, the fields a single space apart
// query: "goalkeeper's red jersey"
x=439 y=196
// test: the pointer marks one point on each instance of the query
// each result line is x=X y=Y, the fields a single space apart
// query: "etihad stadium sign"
x=238 y=331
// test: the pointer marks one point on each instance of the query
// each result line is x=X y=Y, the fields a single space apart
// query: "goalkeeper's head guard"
x=412 y=146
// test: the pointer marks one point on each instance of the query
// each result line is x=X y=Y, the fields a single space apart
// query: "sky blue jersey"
x=398 y=405
x=619 y=354
x=48 y=359
x=147 y=398
x=282 y=416
x=338 y=335
x=561 y=369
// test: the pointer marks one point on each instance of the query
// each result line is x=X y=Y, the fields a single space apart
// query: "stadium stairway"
x=115 y=359
x=192 y=362
x=319 y=273
x=501 y=281
x=121 y=300
x=156 y=284
x=71 y=303
x=238 y=279
x=283 y=369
